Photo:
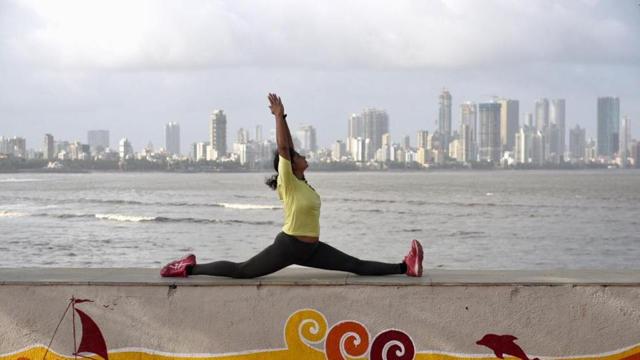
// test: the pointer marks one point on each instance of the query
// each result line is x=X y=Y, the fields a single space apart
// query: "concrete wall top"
x=309 y=277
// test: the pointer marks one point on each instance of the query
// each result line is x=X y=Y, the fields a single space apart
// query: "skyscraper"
x=529 y=143
x=172 y=138
x=371 y=124
x=466 y=144
x=542 y=113
x=259 y=133
x=608 y=125
x=422 y=139
x=444 y=118
x=218 y=134
x=557 y=117
x=625 y=141
x=509 y=122
x=469 y=117
x=376 y=124
x=577 y=143
x=98 y=140
x=124 y=148
x=48 y=149
x=489 y=131
x=307 y=137
x=242 y=136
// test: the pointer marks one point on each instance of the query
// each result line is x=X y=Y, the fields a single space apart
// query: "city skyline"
x=542 y=114
x=61 y=71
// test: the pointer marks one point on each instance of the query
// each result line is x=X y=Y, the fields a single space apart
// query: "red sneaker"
x=178 y=268
x=414 y=259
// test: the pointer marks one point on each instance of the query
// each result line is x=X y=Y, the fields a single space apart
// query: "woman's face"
x=300 y=162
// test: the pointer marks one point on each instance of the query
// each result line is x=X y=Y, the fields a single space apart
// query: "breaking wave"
x=4 y=213
x=157 y=219
x=16 y=180
x=237 y=206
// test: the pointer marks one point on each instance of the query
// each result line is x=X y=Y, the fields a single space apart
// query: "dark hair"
x=272 y=181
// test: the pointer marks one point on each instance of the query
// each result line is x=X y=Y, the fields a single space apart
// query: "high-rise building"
x=218 y=133
x=376 y=124
x=49 y=149
x=466 y=151
x=608 y=126
x=338 y=150
x=201 y=151
x=307 y=137
x=551 y=143
x=529 y=146
x=469 y=117
x=406 y=142
x=242 y=136
x=98 y=140
x=542 y=113
x=557 y=116
x=489 y=131
x=16 y=146
x=509 y=122
x=125 y=149
x=591 y=150
x=172 y=138
x=529 y=120
x=259 y=133
x=422 y=138
x=444 y=118
x=625 y=142
x=577 y=143
x=371 y=124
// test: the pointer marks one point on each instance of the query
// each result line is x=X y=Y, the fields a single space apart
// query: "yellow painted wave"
x=308 y=337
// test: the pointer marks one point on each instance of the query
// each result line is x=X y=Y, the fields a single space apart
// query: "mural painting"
x=307 y=336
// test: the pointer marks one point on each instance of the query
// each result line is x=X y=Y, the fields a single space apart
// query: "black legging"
x=287 y=250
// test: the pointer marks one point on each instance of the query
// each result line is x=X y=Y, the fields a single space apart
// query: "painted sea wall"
x=305 y=314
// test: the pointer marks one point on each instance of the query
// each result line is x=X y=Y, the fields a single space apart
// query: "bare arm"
x=283 y=135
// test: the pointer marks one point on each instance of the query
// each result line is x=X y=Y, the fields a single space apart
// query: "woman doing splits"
x=298 y=242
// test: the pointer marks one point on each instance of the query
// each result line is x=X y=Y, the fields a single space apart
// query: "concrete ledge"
x=305 y=276
x=310 y=314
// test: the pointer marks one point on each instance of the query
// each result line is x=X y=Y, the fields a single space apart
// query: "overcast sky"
x=67 y=67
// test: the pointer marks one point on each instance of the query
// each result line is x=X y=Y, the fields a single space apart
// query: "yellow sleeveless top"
x=301 y=203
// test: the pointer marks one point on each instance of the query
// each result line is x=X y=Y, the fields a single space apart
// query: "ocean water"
x=464 y=219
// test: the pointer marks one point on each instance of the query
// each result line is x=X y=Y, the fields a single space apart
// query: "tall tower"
x=509 y=122
x=48 y=147
x=625 y=141
x=172 y=138
x=98 y=140
x=469 y=117
x=218 y=133
x=307 y=137
x=557 y=117
x=577 y=143
x=489 y=131
x=542 y=114
x=376 y=124
x=608 y=125
x=444 y=119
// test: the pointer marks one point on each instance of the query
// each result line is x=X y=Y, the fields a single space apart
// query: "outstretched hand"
x=276 y=106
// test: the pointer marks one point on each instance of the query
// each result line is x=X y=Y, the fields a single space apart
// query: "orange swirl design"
x=393 y=345
x=350 y=336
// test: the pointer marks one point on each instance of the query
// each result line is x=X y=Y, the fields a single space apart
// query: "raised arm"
x=283 y=135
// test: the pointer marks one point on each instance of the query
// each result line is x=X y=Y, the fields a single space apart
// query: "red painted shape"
x=503 y=345
x=401 y=346
x=92 y=339
x=632 y=357
x=80 y=301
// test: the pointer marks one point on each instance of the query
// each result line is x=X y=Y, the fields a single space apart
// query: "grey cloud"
x=334 y=34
